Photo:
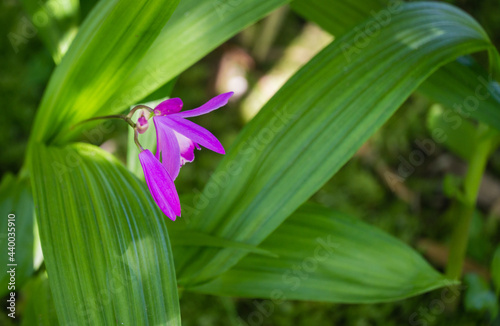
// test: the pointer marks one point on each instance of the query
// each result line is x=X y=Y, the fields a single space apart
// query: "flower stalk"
x=487 y=141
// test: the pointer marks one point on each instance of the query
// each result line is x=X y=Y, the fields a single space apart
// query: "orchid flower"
x=176 y=140
x=176 y=137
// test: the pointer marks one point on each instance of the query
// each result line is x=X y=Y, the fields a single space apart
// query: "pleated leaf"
x=317 y=121
x=462 y=85
x=196 y=28
x=109 y=44
x=105 y=243
x=326 y=256
x=338 y=16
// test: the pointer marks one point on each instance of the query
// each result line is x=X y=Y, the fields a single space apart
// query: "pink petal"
x=192 y=131
x=186 y=147
x=213 y=104
x=168 y=146
x=160 y=185
x=172 y=105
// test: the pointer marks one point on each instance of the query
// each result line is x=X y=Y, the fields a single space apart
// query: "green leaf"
x=40 y=309
x=108 y=46
x=339 y=16
x=183 y=238
x=317 y=121
x=16 y=233
x=56 y=23
x=325 y=256
x=105 y=242
x=450 y=129
x=196 y=28
x=463 y=85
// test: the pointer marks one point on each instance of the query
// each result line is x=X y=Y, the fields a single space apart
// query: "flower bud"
x=142 y=122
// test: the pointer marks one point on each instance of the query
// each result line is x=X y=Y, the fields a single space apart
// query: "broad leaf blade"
x=338 y=16
x=196 y=28
x=462 y=85
x=326 y=256
x=108 y=46
x=317 y=121
x=104 y=241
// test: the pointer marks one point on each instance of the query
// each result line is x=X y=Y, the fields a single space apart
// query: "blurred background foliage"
x=255 y=64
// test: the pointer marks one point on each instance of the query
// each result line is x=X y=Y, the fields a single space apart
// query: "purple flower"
x=160 y=185
x=142 y=122
x=176 y=139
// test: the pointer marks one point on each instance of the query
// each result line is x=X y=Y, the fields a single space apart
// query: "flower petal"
x=168 y=146
x=160 y=185
x=172 y=105
x=192 y=131
x=186 y=147
x=213 y=104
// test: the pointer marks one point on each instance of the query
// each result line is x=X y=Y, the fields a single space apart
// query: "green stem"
x=136 y=140
x=460 y=237
x=114 y=116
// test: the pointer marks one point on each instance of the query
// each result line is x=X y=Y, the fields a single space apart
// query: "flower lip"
x=167 y=149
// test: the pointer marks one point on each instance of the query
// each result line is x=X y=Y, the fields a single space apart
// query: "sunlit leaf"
x=108 y=46
x=462 y=85
x=105 y=242
x=317 y=121
x=196 y=28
